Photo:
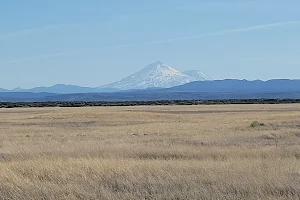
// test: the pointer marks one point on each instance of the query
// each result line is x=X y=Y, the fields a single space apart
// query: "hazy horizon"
x=97 y=43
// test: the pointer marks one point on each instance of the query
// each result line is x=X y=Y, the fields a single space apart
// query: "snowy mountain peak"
x=159 y=63
x=160 y=69
x=158 y=66
x=155 y=75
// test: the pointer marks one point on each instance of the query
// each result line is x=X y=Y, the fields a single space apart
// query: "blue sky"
x=95 y=42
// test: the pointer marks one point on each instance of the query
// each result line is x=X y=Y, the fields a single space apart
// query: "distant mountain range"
x=64 y=89
x=160 y=82
x=218 y=89
x=156 y=75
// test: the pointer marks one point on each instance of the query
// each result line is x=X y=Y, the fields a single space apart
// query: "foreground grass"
x=190 y=152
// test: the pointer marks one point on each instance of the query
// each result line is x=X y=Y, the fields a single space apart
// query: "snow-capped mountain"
x=199 y=76
x=156 y=75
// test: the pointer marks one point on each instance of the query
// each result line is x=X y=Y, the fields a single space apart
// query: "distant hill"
x=63 y=89
x=238 y=86
x=219 y=89
x=23 y=96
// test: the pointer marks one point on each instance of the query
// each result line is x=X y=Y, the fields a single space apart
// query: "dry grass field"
x=162 y=152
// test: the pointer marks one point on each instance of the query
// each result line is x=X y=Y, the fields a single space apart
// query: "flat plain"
x=151 y=152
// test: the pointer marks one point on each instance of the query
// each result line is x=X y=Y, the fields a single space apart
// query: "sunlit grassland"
x=159 y=152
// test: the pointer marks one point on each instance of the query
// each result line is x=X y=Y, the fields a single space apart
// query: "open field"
x=151 y=152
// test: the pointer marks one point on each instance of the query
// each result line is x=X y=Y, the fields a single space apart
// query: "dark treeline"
x=145 y=103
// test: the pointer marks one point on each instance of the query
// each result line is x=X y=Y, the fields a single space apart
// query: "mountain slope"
x=197 y=75
x=156 y=75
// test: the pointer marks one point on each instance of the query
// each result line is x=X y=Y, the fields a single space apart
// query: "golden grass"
x=163 y=152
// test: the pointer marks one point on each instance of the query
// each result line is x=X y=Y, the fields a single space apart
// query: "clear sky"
x=95 y=42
